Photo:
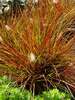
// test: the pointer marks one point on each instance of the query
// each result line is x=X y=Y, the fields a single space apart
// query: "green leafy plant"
x=11 y=92
x=37 y=47
x=53 y=95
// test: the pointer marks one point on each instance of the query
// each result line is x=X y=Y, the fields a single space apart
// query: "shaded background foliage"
x=6 y=5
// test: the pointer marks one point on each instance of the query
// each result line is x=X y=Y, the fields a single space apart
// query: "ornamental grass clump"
x=37 y=46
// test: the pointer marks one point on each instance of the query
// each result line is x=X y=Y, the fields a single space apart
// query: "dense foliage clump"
x=10 y=92
x=37 y=46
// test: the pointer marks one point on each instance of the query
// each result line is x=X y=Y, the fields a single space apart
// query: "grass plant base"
x=10 y=92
